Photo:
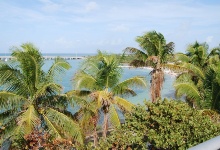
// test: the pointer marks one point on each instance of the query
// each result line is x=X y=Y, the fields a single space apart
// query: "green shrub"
x=167 y=124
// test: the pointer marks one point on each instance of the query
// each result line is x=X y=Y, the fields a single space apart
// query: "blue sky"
x=84 y=26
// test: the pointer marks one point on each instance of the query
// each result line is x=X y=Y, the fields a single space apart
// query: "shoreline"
x=166 y=71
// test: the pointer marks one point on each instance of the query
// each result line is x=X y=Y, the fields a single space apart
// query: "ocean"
x=142 y=94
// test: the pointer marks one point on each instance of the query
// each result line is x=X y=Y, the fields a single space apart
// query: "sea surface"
x=128 y=72
x=142 y=93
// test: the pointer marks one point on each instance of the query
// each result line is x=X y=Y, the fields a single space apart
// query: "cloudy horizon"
x=83 y=26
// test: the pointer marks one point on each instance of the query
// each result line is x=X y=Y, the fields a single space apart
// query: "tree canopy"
x=31 y=99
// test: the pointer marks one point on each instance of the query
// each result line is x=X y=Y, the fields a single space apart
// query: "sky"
x=84 y=26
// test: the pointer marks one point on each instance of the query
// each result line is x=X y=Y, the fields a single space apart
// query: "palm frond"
x=78 y=93
x=84 y=80
x=217 y=69
x=27 y=121
x=191 y=50
x=10 y=101
x=57 y=69
x=52 y=129
x=214 y=51
x=169 y=48
x=90 y=66
x=113 y=117
x=59 y=123
x=7 y=117
x=30 y=62
x=47 y=89
x=78 y=99
x=123 y=104
x=213 y=60
x=59 y=102
x=153 y=42
x=181 y=57
x=11 y=79
x=184 y=86
x=125 y=86
x=202 y=52
x=9 y=132
x=138 y=63
x=109 y=73
x=138 y=54
x=88 y=116
x=175 y=68
x=99 y=96
x=194 y=69
x=87 y=108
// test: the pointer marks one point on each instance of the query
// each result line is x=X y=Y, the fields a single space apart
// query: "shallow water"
x=142 y=94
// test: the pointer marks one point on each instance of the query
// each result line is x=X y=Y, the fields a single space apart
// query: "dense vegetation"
x=168 y=124
x=34 y=114
x=201 y=78
x=31 y=99
x=154 y=51
x=99 y=80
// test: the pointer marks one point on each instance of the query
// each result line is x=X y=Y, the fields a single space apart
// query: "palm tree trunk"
x=157 y=80
x=95 y=137
x=105 y=125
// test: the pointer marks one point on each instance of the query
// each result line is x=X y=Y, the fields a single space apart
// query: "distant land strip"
x=5 y=58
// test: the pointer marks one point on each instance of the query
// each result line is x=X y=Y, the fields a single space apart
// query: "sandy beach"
x=166 y=71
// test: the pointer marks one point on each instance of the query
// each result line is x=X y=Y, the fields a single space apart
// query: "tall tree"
x=198 y=53
x=30 y=97
x=87 y=114
x=199 y=80
x=100 y=75
x=154 y=51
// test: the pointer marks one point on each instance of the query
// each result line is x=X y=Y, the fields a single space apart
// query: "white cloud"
x=91 y=6
x=65 y=43
x=120 y=28
x=51 y=7
x=116 y=42
x=209 y=39
x=102 y=22
x=105 y=42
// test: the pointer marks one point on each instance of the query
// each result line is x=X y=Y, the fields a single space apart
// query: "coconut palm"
x=199 y=80
x=100 y=75
x=212 y=86
x=154 y=51
x=198 y=53
x=30 y=97
x=87 y=114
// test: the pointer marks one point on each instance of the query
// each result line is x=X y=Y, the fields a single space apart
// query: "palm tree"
x=198 y=53
x=100 y=75
x=30 y=97
x=199 y=80
x=154 y=51
x=87 y=114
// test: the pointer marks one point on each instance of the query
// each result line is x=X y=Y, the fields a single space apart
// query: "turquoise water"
x=142 y=94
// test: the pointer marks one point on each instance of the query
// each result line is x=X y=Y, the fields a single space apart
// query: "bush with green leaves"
x=167 y=124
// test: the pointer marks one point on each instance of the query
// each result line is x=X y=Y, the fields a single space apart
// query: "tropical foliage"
x=30 y=97
x=34 y=114
x=42 y=140
x=168 y=124
x=100 y=77
x=154 y=52
x=200 y=79
x=87 y=114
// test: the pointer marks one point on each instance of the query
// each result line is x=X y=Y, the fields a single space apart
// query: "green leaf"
x=60 y=124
